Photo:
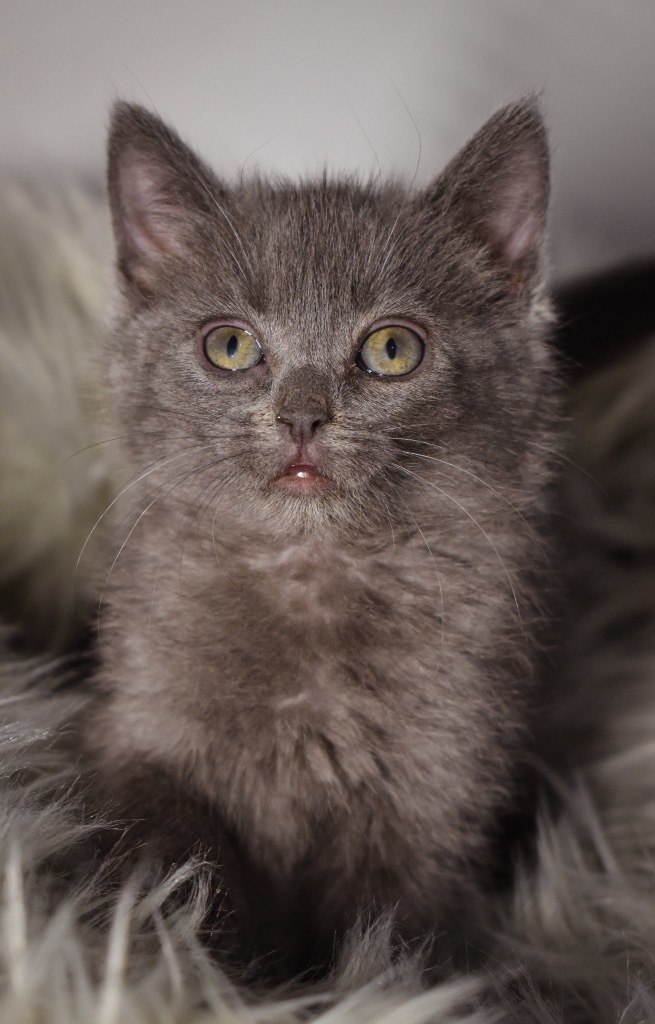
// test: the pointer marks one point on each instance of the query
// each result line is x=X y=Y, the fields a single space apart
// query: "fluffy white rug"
x=575 y=939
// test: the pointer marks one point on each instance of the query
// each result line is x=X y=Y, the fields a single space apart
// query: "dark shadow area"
x=604 y=317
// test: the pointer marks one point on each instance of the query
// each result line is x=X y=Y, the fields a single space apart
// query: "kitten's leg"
x=166 y=823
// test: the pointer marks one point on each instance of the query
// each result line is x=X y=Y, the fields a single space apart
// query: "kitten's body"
x=336 y=673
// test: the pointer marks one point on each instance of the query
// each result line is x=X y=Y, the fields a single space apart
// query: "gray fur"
x=332 y=689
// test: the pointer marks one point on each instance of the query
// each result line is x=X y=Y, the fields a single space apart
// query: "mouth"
x=302 y=478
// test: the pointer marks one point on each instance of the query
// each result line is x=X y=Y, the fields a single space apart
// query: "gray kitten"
x=319 y=640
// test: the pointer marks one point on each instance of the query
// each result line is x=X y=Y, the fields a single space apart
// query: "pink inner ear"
x=149 y=218
x=516 y=219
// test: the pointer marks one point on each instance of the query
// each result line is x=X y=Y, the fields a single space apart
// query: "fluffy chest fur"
x=320 y=691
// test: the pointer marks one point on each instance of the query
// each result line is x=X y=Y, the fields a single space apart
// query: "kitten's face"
x=364 y=325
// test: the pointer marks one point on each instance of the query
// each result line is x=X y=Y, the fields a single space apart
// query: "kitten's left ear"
x=497 y=188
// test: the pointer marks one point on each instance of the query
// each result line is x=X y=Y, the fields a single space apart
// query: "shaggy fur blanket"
x=574 y=939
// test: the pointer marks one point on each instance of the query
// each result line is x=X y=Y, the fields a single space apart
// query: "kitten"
x=319 y=640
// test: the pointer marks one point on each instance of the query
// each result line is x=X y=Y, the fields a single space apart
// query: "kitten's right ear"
x=496 y=189
x=157 y=190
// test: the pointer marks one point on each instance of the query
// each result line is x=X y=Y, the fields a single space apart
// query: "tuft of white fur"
x=573 y=942
x=53 y=272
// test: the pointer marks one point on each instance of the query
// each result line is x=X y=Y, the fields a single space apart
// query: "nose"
x=303 y=421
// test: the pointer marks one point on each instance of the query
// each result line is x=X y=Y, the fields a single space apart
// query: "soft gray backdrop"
x=291 y=86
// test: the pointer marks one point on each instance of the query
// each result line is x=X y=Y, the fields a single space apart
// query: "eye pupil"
x=392 y=348
x=232 y=346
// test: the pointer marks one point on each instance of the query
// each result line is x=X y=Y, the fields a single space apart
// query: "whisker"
x=221 y=209
x=418 y=133
x=479 y=479
x=123 y=437
x=363 y=131
x=213 y=536
x=173 y=533
x=387 y=513
x=418 y=440
x=152 y=468
x=262 y=145
x=157 y=497
x=212 y=489
x=575 y=465
x=117 y=556
x=437 y=573
x=445 y=494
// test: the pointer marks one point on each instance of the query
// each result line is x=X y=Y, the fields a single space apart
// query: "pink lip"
x=302 y=477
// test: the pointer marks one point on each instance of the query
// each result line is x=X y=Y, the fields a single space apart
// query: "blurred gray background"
x=292 y=86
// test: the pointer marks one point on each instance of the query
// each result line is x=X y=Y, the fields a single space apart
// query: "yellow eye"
x=391 y=352
x=232 y=348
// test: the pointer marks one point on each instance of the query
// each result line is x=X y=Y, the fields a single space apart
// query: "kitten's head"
x=297 y=344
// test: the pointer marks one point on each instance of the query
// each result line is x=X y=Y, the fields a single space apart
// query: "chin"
x=297 y=512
